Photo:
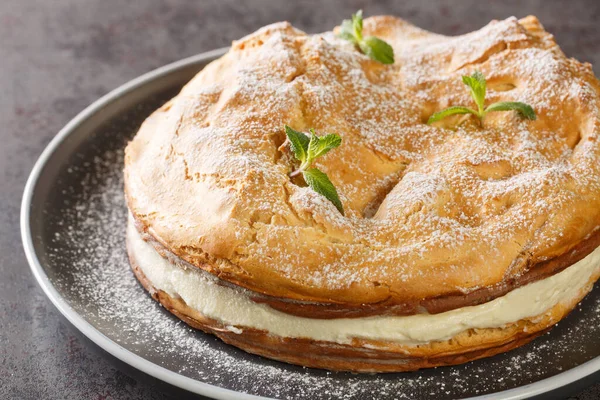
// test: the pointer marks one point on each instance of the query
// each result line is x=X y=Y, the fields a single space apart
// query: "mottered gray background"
x=58 y=56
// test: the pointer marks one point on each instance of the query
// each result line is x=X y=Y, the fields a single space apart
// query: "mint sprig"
x=373 y=47
x=477 y=85
x=306 y=150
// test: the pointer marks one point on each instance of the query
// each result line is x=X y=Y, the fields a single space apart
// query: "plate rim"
x=540 y=387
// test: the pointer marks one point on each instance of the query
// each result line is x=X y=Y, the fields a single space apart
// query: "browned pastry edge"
x=364 y=355
x=433 y=305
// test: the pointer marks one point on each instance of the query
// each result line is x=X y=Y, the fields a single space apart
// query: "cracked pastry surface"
x=431 y=212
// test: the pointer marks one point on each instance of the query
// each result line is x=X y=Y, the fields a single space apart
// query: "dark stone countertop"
x=58 y=56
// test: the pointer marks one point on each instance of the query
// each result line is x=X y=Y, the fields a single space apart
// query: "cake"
x=451 y=241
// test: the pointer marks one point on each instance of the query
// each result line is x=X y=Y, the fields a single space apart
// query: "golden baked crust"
x=364 y=355
x=430 y=211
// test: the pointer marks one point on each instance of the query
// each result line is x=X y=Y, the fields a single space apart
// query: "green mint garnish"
x=372 y=46
x=477 y=86
x=320 y=183
x=308 y=149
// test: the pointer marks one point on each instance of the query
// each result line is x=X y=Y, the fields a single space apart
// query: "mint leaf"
x=347 y=31
x=377 y=49
x=450 y=111
x=320 y=183
x=357 y=24
x=524 y=109
x=351 y=29
x=320 y=146
x=477 y=85
x=372 y=46
x=298 y=142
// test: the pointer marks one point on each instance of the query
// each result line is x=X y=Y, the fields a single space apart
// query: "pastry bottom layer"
x=368 y=355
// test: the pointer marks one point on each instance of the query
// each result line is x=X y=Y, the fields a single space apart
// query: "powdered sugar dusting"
x=90 y=269
x=415 y=195
x=505 y=174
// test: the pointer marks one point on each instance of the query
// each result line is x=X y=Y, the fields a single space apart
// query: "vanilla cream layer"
x=237 y=311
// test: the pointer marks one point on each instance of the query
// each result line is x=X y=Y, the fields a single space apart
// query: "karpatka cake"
x=377 y=198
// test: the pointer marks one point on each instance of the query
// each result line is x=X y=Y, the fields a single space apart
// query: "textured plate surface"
x=73 y=224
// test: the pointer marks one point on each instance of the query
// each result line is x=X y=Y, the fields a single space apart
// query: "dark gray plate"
x=73 y=221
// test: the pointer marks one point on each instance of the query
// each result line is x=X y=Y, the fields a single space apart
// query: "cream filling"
x=234 y=308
